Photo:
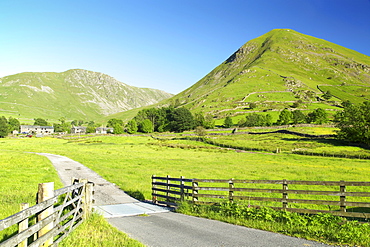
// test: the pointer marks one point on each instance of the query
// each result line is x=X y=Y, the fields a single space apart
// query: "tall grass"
x=322 y=227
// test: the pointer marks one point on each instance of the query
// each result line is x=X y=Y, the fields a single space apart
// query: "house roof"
x=79 y=127
x=37 y=126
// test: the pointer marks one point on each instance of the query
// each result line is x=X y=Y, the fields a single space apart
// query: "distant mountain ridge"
x=277 y=69
x=73 y=94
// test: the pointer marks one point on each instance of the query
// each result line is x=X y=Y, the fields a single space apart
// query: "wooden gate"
x=54 y=216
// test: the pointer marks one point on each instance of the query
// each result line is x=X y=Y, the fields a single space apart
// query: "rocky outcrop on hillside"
x=108 y=94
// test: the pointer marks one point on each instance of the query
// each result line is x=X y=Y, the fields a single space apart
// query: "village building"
x=35 y=129
x=78 y=130
x=103 y=130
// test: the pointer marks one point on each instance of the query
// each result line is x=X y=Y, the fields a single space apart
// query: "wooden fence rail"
x=342 y=195
x=57 y=212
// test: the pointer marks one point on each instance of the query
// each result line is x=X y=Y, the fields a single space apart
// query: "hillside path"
x=160 y=227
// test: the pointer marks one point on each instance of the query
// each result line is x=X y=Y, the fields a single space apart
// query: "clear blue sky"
x=162 y=44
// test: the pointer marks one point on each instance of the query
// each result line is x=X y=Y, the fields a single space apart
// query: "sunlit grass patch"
x=20 y=175
x=96 y=231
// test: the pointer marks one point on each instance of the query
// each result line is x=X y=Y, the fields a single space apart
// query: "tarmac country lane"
x=172 y=229
x=168 y=229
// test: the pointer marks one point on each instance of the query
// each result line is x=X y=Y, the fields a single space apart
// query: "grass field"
x=130 y=162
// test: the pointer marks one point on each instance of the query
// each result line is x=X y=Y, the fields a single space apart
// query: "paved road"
x=163 y=228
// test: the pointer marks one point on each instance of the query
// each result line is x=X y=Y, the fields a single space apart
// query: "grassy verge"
x=96 y=231
x=322 y=227
x=20 y=175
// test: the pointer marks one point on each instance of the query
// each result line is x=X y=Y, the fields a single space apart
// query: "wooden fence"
x=342 y=198
x=54 y=216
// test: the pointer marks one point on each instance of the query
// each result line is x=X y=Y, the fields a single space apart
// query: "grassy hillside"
x=277 y=69
x=74 y=94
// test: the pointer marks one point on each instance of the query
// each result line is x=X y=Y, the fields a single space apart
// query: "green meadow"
x=130 y=161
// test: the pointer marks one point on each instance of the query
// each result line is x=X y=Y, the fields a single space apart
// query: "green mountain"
x=73 y=94
x=276 y=70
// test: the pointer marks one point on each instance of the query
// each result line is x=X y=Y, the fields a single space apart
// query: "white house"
x=78 y=130
x=35 y=129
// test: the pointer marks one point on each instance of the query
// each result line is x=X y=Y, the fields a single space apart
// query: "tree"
x=354 y=123
x=40 y=122
x=156 y=115
x=200 y=131
x=228 y=123
x=90 y=129
x=146 y=126
x=298 y=117
x=327 y=95
x=131 y=126
x=113 y=122
x=318 y=116
x=199 y=119
x=209 y=122
x=255 y=119
x=285 y=117
x=74 y=123
x=268 y=120
x=181 y=120
x=346 y=103
x=117 y=128
x=4 y=128
x=13 y=124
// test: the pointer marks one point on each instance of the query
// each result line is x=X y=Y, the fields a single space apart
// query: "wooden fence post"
x=231 y=191
x=182 y=191
x=154 y=198
x=87 y=198
x=167 y=190
x=285 y=194
x=343 y=197
x=195 y=191
x=45 y=192
x=23 y=225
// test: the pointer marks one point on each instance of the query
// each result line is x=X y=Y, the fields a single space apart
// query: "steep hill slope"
x=277 y=69
x=73 y=94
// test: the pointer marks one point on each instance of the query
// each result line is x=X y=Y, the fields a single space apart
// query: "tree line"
x=8 y=125
x=353 y=122
x=318 y=116
x=168 y=119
